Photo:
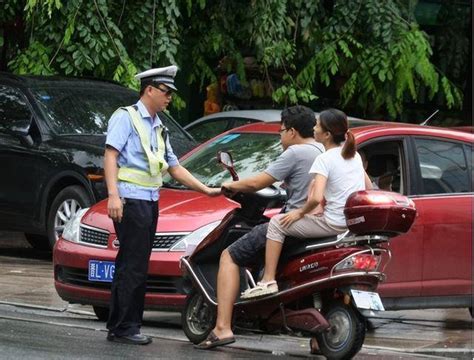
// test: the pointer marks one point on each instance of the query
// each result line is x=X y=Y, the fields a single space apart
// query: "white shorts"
x=309 y=226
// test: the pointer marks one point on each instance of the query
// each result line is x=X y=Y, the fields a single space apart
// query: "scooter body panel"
x=312 y=265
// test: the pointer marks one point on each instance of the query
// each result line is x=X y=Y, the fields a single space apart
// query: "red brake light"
x=365 y=262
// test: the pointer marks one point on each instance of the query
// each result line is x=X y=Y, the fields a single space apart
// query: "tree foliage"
x=371 y=52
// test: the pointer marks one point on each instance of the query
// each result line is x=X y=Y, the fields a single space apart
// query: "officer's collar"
x=145 y=114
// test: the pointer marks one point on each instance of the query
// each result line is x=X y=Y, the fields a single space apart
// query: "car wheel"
x=198 y=318
x=346 y=333
x=64 y=206
x=472 y=314
x=37 y=242
x=101 y=312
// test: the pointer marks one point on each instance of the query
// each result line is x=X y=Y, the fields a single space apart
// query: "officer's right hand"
x=115 y=208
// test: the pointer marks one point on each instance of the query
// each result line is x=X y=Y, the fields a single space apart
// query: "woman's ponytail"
x=349 y=148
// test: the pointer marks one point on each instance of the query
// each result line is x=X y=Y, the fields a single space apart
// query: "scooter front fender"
x=185 y=264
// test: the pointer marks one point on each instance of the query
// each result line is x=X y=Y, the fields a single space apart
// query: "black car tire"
x=101 y=312
x=37 y=242
x=73 y=195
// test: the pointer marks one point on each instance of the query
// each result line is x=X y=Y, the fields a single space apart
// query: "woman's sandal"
x=213 y=341
x=262 y=289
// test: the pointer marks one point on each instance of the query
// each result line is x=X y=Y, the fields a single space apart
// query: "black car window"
x=76 y=110
x=13 y=106
x=443 y=166
x=79 y=110
x=180 y=140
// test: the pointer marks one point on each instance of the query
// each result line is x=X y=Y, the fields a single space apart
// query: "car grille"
x=165 y=241
x=154 y=284
x=94 y=236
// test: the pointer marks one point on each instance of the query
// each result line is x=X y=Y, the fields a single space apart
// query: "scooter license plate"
x=101 y=270
x=367 y=300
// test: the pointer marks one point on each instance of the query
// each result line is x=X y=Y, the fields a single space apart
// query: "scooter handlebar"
x=227 y=192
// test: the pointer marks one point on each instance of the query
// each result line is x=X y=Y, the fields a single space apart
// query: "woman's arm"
x=316 y=196
x=368 y=182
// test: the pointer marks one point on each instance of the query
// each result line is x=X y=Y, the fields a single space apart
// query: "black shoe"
x=110 y=336
x=137 y=339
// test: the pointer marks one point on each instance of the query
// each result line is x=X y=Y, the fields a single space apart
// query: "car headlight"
x=190 y=241
x=72 y=228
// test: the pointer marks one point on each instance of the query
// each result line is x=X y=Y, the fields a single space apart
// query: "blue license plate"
x=101 y=270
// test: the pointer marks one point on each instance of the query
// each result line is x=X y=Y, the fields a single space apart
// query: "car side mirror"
x=20 y=127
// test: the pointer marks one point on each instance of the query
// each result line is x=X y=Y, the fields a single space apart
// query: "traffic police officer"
x=137 y=153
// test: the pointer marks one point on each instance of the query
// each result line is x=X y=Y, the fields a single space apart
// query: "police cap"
x=163 y=75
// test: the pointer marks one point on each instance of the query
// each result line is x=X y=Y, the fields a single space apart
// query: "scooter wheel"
x=198 y=318
x=346 y=333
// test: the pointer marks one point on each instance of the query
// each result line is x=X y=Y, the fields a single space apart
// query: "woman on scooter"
x=338 y=173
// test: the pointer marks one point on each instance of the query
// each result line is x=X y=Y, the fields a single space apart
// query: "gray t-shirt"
x=292 y=167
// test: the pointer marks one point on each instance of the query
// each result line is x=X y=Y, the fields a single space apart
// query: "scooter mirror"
x=225 y=159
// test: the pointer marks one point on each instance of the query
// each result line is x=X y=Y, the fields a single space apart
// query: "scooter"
x=326 y=285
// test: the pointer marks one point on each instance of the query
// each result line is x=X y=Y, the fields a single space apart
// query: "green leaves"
x=452 y=94
x=370 y=52
x=40 y=66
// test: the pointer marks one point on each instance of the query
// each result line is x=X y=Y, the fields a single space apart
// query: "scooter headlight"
x=71 y=230
x=193 y=239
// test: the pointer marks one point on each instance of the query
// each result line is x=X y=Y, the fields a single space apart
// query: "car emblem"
x=116 y=243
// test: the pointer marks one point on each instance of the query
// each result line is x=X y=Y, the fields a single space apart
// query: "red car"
x=431 y=265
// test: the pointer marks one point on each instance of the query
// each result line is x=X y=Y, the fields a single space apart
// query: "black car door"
x=18 y=181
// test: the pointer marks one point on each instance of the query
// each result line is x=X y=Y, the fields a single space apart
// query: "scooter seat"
x=293 y=247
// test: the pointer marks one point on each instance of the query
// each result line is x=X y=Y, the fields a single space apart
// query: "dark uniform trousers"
x=135 y=233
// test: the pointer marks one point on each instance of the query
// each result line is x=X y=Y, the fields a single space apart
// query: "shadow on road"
x=14 y=244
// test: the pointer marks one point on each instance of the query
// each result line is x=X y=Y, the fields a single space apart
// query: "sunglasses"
x=167 y=91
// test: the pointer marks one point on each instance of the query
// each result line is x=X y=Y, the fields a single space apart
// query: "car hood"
x=180 y=211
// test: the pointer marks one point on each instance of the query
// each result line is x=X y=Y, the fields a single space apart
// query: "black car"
x=52 y=136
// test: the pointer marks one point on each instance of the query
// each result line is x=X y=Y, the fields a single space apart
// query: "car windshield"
x=85 y=110
x=251 y=152
x=76 y=110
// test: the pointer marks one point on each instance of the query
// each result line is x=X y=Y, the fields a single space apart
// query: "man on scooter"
x=292 y=167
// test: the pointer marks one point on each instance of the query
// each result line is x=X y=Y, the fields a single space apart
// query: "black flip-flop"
x=213 y=341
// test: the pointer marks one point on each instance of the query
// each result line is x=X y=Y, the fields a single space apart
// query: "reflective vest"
x=156 y=161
